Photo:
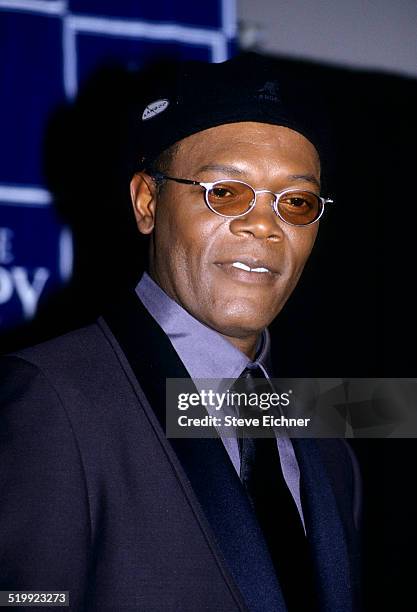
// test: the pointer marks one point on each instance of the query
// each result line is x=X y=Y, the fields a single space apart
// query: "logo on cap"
x=154 y=108
x=270 y=92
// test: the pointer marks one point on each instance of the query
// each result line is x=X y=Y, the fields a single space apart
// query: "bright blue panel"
x=31 y=86
x=29 y=260
x=207 y=14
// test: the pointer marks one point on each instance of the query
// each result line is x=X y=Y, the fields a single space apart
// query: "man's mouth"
x=249 y=269
x=242 y=266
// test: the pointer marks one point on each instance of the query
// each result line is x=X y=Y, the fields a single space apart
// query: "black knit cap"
x=198 y=96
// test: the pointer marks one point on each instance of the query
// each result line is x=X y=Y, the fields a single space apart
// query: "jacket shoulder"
x=45 y=527
x=65 y=347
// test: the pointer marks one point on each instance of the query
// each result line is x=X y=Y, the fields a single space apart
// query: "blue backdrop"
x=49 y=48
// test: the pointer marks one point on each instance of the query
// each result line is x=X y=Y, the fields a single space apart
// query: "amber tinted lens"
x=230 y=198
x=299 y=207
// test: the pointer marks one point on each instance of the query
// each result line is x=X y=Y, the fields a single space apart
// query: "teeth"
x=259 y=270
x=242 y=266
x=238 y=264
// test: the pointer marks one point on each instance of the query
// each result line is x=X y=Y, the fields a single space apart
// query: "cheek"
x=182 y=243
x=170 y=232
x=299 y=248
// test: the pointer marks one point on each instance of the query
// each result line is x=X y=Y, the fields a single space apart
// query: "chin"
x=239 y=325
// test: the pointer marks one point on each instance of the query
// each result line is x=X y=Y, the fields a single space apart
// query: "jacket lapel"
x=204 y=460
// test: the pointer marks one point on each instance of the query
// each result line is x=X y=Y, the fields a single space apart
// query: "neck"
x=245 y=345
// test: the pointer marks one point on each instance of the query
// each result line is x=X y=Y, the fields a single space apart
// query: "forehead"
x=250 y=146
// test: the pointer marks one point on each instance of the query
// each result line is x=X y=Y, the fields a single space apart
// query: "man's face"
x=193 y=249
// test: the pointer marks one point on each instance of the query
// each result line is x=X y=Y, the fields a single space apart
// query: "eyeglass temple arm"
x=158 y=176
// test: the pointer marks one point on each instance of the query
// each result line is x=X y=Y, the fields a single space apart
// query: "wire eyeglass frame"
x=159 y=177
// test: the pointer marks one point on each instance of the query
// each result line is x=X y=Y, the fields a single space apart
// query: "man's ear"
x=143 y=193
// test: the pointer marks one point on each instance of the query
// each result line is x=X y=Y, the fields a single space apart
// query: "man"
x=95 y=499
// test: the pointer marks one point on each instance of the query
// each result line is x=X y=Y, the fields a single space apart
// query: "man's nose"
x=261 y=221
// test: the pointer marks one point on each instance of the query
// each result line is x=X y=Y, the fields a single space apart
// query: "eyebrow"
x=309 y=178
x=233 y=170
x=221 y=168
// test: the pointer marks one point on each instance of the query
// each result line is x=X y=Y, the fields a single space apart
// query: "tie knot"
x=253 y=371
x=252 y=391
x=253 y=380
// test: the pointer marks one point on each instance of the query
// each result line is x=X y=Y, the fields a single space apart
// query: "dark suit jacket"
x=95 y=500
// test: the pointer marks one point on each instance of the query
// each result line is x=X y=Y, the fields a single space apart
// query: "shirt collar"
x=203 y=351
